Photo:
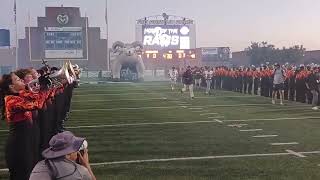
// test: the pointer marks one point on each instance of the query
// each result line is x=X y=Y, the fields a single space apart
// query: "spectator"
x=312 y=86
x=61 y=160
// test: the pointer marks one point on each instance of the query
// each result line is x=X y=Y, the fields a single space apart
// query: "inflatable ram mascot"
x=127 y=55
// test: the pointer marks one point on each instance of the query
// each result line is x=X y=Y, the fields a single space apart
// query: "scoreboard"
x=63 y=42
x=216 y=54
x=170 y=55
x=166 y=36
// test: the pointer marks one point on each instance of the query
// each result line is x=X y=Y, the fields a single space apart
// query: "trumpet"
x=57 y=79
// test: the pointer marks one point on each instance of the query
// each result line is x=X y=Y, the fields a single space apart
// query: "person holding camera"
x=66 y=159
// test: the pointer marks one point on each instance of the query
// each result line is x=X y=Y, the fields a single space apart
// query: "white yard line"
x=296 y=153
x=214 y=97
x=265 y=136
x=118 y=94
x=217 y=120
x=200 y=111
x=270 y=119
x=143 y=124
x=250 y=130
x=179 y=101
x=139 y=124
x=207 y=114
x=199 y=158
x=236 y=105
x=281 y=144
x=130 y=108
x=114 y=100
x=216 y=117
x=185 y=104
x=194 y=108
x=237 y=125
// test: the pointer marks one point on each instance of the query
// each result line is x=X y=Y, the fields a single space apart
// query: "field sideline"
x=144 y=131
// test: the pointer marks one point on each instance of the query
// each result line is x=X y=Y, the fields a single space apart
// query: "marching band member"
x=197 y=77
x=256 y=80
x=250 y=79
x=19 y=104
x=173 y=75
x=291 y=83
x=27 y=75
x=300 y=84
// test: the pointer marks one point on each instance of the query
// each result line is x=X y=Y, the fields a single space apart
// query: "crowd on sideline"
x=35 y=109
x=284 y=82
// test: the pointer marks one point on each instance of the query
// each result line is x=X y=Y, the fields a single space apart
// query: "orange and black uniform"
x=300 y=86
x=256 y=81
x=47 y=121
x=22 y=144
x=250 y=81
x=245 y=81
x=264 y=83
x=290 y=75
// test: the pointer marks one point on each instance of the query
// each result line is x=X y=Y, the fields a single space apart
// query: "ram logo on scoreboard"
x=63 y=42
x=166 y=37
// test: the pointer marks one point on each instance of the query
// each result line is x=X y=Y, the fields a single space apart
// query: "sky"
x=232 y=23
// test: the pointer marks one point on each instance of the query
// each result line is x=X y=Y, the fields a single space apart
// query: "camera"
x=83 y=147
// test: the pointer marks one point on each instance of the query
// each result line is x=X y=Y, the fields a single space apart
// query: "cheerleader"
x=17 y=109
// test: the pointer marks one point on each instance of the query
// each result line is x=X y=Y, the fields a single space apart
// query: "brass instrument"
x=57 y=78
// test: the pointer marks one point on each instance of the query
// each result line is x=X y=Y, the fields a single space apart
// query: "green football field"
x=144 y=131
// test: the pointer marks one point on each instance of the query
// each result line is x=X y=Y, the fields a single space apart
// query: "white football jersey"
x=208 y=74
x=173 y=74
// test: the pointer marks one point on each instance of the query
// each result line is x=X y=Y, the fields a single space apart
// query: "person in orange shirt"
x=308 y=92
x=250 y=79
x=290 y=75
x=264 y=81
x=19 y=104
x=256 y=80
x=300 y=85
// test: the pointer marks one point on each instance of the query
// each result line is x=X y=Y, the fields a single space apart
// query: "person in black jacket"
x=312 y=82
x=188 y=81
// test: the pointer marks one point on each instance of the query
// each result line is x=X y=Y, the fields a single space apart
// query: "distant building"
x=7 y=60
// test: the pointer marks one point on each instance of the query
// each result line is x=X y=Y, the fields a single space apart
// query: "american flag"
x=15 y=11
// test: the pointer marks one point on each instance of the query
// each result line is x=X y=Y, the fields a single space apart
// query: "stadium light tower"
x=107 y=36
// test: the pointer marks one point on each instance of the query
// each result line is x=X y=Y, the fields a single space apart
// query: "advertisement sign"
x=216 y=53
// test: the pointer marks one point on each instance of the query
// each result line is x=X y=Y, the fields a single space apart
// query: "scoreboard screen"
x=170 y=55
x=216 y=54
x=166 y=36
x=65 y=42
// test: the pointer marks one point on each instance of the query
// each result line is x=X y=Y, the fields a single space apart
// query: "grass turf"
x=139 y=115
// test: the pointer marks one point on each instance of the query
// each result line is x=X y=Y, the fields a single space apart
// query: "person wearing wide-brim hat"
x=60 y=160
